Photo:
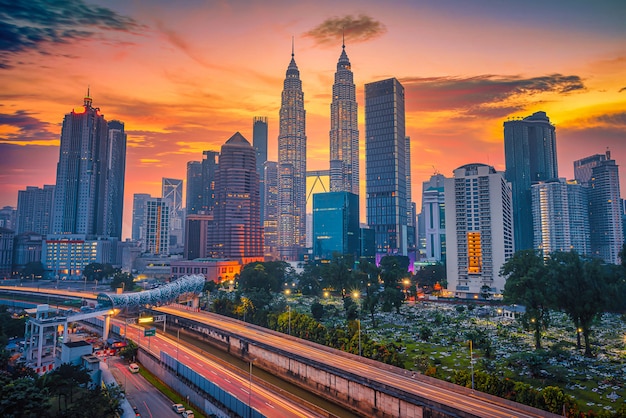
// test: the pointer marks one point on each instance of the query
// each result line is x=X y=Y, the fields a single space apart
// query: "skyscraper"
x=479 y=232
x=411 y=211
x=270 y=223
x=237 y=233
x=605 y=215
x=116 y=169
x=156 y=239
x=434 y=215
x=172 y=191
x=560 y=218
x=385 y=166
x=292 y=167
x=139 y=216
x=194 y=188
x=210 y=163
x=259 y=142
x=530 y=157
x=82 y=174
x=335 y=225
x=344 y=130
x=34 y=209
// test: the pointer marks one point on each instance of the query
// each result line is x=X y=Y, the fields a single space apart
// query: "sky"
x=185 y=76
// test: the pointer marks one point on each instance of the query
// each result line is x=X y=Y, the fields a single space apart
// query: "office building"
x=530 y=157
x=116 y=169
x=434 y=215
x=34 y=209
x=156 y=238
x=560 y=217
x=8 y=218
x=479 y=234
x=411 y=209
x=292 y=167
x=336 y=229
x=385 y=166
x=344 y=130
x=194 y=188
x=210 y=162
x=26 y=249
x=88 y=174
x=6 y=252
x=197 y=229
x=270 y=203
x=65 y=256
x=139 y=216
x=259 y=142
x=237 y=232
x=605 y=213
x=583 y=168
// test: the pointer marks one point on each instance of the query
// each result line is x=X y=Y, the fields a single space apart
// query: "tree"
x=122 y=279
x=317 y=310
x=22 y=397
x=485 y=292
x=526 y=284
x=430 y=275
x=580 y=287
x=33 y=269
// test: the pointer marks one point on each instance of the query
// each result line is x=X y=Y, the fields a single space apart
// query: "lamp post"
x=472 y=362
x=177 y=344
x=356 y=295
x=250 y=390
x=287 y=292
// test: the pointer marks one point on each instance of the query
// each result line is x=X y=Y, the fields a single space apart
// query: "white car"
x=178 y=408
x=133 y=367
x=188 y=414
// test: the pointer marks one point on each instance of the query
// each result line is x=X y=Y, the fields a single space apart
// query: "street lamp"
x=355 y=295
x=287 y=292
x=250 y=389
x=472 y=362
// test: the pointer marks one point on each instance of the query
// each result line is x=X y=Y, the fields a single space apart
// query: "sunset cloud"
x=34 y=24
x=21 y=126
x=356 y=29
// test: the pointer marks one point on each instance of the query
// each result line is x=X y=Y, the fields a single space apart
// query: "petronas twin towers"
x=344 y=152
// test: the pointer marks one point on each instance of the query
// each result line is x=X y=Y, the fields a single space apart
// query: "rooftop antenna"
x=343 y=38
x=292 y=47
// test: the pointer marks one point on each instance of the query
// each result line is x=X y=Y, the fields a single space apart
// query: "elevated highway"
x=367 y=387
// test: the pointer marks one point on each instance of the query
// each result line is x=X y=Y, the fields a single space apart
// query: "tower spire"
x=87 y=100
x=292 y=47
x=343 y=38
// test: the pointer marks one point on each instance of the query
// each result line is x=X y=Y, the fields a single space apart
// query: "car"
x=188 y=414
x=133 y=367
x=178 y=408
x=136 y=411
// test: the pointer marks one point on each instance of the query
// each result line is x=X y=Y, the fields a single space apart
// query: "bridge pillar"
x=107 y=325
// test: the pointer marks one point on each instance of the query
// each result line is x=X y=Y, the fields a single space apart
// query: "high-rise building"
x=197 y=227
x=210 y=163
x=116 y=170
x=583 y=168
x=479 y=233
x=156 y=238
x=434 y=215
x=411 y=210
x=8 y=217
x=34 y=209
x=270 y=203
x=292 y=167
x=385 y=166
x=259 y=142
x=605 y=213
x=194 y=187
x=335 y=225
x=172 y=191
x=530 y=157
x=84 y=174
x=6 y=252
x=237 y=232
x=140 y=201
x=560 y=217
x=344 y=130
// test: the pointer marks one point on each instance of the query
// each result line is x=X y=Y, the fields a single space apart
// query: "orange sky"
x=185 y=76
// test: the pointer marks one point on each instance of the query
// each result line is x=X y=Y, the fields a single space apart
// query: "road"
x=240 y=385
x=474 y=403
x=140 y=393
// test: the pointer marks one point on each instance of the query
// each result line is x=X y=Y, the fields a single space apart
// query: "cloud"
x=34 y=24
x=21 y=127
x=485 y=95
x=357 y=29
x=622 y=89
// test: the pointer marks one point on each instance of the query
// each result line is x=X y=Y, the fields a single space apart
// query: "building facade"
x=193 y=197
x=385 y=166
x=530 y=157
x=292 y=167
x=139 y=216
x=479 y=238
x=6 y=253
x=336 y=227
x=34 y=209
x=172 y=192
x=344 y=130
x=156 y=238
x=259 y=142
x=197 y=229
x=116 y=171
x=237 y=232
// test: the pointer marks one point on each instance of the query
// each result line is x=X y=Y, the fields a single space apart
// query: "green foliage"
x=122 y=279
x=22 y=397
x=430 y=275
x=317 y=310
x=33 y=269
x=98 y=271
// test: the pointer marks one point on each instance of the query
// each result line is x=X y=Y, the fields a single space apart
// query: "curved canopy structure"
x=154 y=297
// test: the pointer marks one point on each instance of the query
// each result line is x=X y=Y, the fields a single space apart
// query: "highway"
x=241 y=386
x=412 y=385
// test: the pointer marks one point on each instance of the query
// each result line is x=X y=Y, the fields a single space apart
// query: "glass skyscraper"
x=385 y=166
x=344 y=130
x=194 y=188
x=335 y=225
x=530 y=157
x=292 y=167
x=259 y=142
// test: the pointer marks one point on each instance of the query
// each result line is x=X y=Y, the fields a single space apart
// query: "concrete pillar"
x=107 y=325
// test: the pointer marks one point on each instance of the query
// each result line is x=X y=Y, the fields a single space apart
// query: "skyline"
x=184 y=79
